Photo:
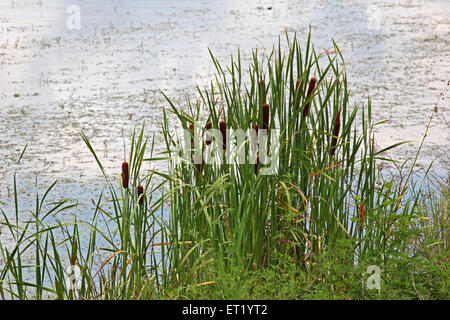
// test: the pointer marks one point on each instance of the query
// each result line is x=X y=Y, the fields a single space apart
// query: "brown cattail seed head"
x=257 y=165
x=125 y=174
x=265 y=112
x=361 y=214
x=140 y=194
x=208 y=138
x=223 y=131
x=191 y=129
x=312 y=85
x=337 y=127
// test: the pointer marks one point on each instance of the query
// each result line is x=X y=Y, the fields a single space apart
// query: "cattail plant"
x=208 y=137
x=125 y=175
x=255 y=211
x=361 y=214
x=191 y=130
x=223 y=131
x=265 y=119
x=140 y=194
x=227 y=220
x=312 y=85
x=337 y=127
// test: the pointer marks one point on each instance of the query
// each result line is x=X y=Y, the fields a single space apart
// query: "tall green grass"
x=117 y=260
x=324 y=214
x=325 y=189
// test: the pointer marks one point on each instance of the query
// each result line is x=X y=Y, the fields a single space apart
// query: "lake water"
x=105 y=77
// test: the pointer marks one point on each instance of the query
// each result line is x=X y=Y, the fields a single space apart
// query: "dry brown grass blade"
x=326 y=169
x=202 y=284
x=107 y=260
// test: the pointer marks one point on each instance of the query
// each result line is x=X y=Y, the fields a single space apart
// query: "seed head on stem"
x=223 y=131
x=337 y=127
x=312 y=85
x=361 y=214
x=140 y=194
x=191 y=130
x=125 y=175
x=208 y=137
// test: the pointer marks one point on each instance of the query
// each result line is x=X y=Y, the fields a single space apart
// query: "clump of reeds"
x=308 y=184
x=232 y=219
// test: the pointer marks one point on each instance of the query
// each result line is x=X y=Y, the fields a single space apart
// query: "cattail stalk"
x=223 y=131
x=265 y=112
x=191 y=130
x=337 y=127
x=311 y=87
x=125 y=175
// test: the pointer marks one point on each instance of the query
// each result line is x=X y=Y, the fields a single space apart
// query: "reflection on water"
x=104 y=78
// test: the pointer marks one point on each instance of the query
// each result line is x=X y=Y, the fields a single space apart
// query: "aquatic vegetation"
x=306 y=197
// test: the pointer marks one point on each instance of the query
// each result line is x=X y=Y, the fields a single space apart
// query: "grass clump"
x=325 y=162
x=292 y=206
